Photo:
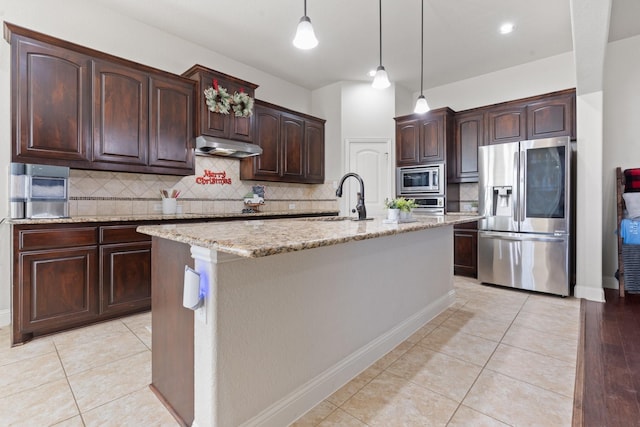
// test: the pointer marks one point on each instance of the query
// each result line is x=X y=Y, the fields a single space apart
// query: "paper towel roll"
x=191 y=297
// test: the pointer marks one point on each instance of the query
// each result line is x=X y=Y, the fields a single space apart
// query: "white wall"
x=534 y=78
x=98 y=28
x=621 y=136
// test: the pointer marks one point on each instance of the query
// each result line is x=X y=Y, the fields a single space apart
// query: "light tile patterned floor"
x=496 y=357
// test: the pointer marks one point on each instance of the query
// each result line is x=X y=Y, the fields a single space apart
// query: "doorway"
x=372 y=159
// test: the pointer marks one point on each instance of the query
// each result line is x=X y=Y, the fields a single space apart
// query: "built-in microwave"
x=415 y=181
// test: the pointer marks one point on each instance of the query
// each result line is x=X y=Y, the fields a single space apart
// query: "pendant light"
x=381 y=79
x=421 y=104
x=305 y=37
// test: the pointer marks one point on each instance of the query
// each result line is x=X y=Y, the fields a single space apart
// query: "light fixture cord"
x=421 y=46
x=380 y=32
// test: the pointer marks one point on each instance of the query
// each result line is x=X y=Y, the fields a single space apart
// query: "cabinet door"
x=465 y=257
x=171 y=126
x=268 y=164
x=552 y=117
x=224 y=125
x=57 y=289
x=507 y=125
x=469 y=135
x=432 y=130
x=407 y=142
x=292 y=134
x=314 y=152
x=120 y=114
x=125 y=277
x=50 y=101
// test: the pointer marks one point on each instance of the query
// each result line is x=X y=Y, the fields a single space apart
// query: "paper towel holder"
x=192 y=297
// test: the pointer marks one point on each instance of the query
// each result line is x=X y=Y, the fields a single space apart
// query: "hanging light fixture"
x=381 y=79
x=305 y=37
x=421 y=104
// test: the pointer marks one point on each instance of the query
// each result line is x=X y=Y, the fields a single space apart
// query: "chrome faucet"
x=362 y=211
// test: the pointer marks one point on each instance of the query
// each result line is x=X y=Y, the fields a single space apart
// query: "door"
x=369 y=159
x=544 y=180
x=526 y=261
x=498 y=187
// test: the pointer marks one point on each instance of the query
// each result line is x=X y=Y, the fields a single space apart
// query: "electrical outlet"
x=292 y=205
x=157 y=207
x=335 y=185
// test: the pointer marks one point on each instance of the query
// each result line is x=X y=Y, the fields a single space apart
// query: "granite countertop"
x=160 y=217
x=253 y=239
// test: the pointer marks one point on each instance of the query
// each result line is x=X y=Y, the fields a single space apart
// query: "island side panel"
x=171 y=329
x=292 y=328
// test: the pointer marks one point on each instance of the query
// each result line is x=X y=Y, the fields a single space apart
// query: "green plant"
x=401 y=203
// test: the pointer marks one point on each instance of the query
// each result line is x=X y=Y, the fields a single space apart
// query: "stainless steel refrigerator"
x=524 y=195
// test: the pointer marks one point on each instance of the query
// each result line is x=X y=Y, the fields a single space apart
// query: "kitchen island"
x=294 y=309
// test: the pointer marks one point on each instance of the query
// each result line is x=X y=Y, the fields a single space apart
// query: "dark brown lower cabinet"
x=465 y=249
x=66 y=275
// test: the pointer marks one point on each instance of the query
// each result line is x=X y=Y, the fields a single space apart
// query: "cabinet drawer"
x=121 y=234
x=56 y=238
x=467 y=226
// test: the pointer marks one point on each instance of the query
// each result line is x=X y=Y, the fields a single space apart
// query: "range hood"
x=209 y=146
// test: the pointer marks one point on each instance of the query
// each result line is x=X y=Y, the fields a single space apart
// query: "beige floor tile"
x=102 y=384
x=89 y=334
x=478 y=325
x=518 y=403
x=439 y=372
x=39 y=406
x=467 y=417
x=437 y=321
x=554 y=307
x=340 y=418
x=467 y=347
x=550 y=324
x=352 y=387
x=140 y=408
x=140 y=325
x=386 y=360
x=34 y=348
x=81 y=357
x=543 y=371
x=421 y=333
x=315 y=415
x=30 y=373
x=542 y=342
x=389 y=400
x=71 y=422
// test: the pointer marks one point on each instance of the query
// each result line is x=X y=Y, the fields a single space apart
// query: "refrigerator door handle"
x=523 y=185
x=522 y=238
x=515 y=193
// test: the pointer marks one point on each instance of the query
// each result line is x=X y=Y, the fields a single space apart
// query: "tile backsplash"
x=120 y=193
x=469 y=197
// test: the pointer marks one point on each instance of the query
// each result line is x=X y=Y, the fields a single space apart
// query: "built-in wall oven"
x=424 y=183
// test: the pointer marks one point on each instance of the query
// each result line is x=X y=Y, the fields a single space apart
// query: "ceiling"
x=461 y=36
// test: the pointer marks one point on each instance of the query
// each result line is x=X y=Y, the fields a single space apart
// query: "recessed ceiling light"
x=506 y=28
x=371 y=73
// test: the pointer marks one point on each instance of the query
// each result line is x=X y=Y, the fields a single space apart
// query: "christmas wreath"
x=220 y=101
x=242 y=104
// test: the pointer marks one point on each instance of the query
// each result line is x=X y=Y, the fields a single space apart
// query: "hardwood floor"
x=608 y=377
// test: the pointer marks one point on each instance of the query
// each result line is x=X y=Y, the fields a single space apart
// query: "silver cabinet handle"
x=522 y=239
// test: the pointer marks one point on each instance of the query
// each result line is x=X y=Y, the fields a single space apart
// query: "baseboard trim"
x=297 y=403
x=610 y=282
x=589 y=292
x=5 y=317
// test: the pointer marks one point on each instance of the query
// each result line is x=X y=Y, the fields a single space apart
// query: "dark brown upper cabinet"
x=421 y=138
x=469 y=135
x=552 y=116
x=227 y=126
x=292 y=146
x=78 y=107
x=507 y=124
